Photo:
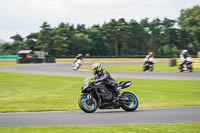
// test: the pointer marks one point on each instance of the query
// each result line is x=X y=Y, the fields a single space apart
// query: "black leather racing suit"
x=104 y=76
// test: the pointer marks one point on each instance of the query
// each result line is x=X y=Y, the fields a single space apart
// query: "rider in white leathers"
x=148 y=62
x=185 y=57
x=77 y=62
x=149 y=58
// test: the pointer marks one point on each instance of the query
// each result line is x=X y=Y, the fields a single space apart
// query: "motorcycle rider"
x=101 y=75
x=149 y=59
x=78 y=57
x=183 y=56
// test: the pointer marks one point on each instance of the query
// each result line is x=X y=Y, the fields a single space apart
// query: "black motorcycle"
x=148 y=66
x=186 y=66
x=98 y=95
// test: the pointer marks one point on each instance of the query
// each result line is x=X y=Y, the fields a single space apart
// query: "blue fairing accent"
x=85 y=97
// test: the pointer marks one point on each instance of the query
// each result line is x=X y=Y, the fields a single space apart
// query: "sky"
x=26 y=16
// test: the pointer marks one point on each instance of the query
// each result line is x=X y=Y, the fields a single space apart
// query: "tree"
x=135 y=39
x=98 y=44
x=169 y=37
x=115 y=33
x=81 y=43
x=6 y=49
x=17 y=43
x=31 y=42
x=155 y=35
x=45 y=38
x=189 y=22
x=62 y=35
x=117 y=37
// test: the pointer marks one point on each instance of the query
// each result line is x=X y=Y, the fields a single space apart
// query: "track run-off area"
x=65 y=69
x=100 y=117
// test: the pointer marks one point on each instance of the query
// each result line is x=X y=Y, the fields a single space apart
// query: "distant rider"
x=149 y=58
x=101 y=75
x=184 y=57
x=78 y=57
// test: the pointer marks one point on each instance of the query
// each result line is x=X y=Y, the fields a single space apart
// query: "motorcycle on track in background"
x=148 y=62
x=76 y=65
x=148 y=66
x=186 y=65
x=77 y=62
x=97 y=95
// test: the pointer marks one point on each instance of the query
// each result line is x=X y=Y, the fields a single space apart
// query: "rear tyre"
x=130 y=103
x=87 y=105
x=151 y=68
x=191 y=69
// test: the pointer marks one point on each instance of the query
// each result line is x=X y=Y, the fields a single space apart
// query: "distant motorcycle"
x=186 y=65
x=77 y=64
x=97 y=95
x=148 y=65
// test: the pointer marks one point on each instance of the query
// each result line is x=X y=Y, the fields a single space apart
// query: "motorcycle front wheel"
x=145 y=68
x=180 y=69
x=130 y=101
x=88 y=105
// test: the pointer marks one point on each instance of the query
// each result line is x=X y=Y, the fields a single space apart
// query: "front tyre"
x=180 y=68
x=130 y=101
x=87 y=105
x=144 y=68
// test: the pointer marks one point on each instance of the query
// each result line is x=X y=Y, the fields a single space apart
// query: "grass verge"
x=7 y=64
x=139 y=67
x=158 y=128
x=100 y=60
x=26 y=92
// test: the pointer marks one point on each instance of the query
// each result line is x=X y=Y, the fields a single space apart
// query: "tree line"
x=115 y=38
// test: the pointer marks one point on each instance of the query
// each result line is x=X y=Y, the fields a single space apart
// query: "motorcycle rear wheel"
x=131 y=104
x=190 y=69
x=151 y=68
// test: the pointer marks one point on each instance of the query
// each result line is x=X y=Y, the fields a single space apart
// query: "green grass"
x=26 y=92
x=139 y=67
x=159 y=128
x=7 y=64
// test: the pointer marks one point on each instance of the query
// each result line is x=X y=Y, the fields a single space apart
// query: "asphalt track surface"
x=66 y=70
x=100 y=117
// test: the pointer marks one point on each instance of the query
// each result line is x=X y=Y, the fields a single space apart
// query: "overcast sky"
x=26 y=16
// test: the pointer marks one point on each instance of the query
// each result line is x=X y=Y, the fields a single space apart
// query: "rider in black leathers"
x=101 y=75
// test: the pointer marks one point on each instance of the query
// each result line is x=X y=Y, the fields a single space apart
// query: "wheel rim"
x=89 y=105
x=131 y=101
